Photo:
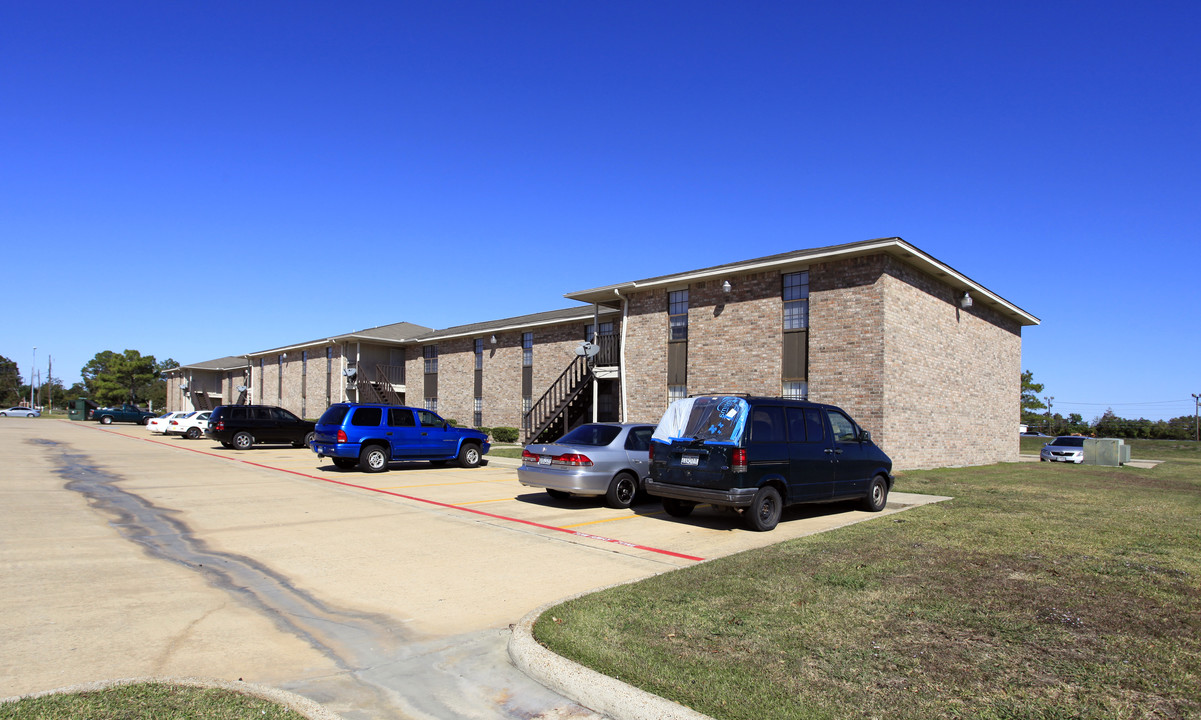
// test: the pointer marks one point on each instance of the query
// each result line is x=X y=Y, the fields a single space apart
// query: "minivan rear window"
x=714 y=419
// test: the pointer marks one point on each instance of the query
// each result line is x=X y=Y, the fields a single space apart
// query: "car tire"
x=243 y=441
x=469 y=455
x=193 y=433
x=106 y=420
x=622 y=490
x=877 y=495
x=678 y=508
x=344 y=463
x=3 y=414
x=145 y=421
x=226 y=444
x=763 y=514
x=373 y=459
x=558 y=494
x=308 y=441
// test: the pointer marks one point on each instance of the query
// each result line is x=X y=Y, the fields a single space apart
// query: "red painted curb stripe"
x=575 y=533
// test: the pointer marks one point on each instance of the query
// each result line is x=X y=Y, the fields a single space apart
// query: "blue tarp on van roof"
x=714 y=419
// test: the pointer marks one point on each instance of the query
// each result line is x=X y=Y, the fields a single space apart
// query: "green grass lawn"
x=147 y=701
x=1040 y=591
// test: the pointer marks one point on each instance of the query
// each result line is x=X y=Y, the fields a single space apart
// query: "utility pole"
x=31 y=382
x=1196 y=417
x=1048 y=400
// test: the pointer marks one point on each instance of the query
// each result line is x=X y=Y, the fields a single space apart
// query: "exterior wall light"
x=493 y=340
x=965 y=302
x=726 y=287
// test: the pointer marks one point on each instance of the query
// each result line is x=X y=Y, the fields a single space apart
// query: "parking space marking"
x=482 y=502
x=494 y=516
x=614 y=519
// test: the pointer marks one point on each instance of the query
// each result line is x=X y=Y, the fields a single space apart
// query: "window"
x=526 y=403
x=677 y=315
x=479 y=354
x=367 y=416
x=431 y=404
x=842 y=427
x=796 y=390
x=676 y=392
x=430 y=352
x=796 y=300
x=527 y=349
x=767 y=424
x=478 y=412
x=401 y=417
x=606 y=328
x=429 y=419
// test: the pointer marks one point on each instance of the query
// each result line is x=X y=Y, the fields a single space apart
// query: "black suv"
x=241 y=426
x=760 y=454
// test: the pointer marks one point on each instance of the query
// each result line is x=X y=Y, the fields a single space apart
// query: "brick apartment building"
x=925 y=358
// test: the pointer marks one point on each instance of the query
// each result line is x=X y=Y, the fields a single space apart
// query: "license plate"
x=689 y=459
x=544 y=459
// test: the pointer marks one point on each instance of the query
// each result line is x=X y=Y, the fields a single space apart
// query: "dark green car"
x=760 y=454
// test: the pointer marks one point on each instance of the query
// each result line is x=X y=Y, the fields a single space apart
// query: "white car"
x=192 y=425
x=1065 y=448
x=159 y=424
x=20 y=412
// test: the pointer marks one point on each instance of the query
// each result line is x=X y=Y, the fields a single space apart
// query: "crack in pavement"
x=388 y=672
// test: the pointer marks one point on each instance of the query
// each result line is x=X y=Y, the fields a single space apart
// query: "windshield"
x=712 y=419
x=1069 y=442
x=595 y=435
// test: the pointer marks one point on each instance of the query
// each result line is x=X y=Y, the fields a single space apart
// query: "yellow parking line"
x=623 y=517
x=481 y=502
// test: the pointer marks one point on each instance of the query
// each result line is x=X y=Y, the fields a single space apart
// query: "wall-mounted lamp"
x=726 y=287
x=965 y=302
x=493 y=340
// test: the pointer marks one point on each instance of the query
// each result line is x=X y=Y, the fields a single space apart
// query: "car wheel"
x=243 y=441
x=622 y=490
x=226 y=445
x=344 y=463
x=469 y=455
x=373 y=459
x=3 y=414
x=877 y=495
x=764 y=511
x=558 y=494
x=308 y=440
x=145 y=421
x=193 y=433
x=106 y=420
x=678 y=508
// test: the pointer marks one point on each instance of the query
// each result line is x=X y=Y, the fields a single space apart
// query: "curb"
x=303 y=706
x=597 y=692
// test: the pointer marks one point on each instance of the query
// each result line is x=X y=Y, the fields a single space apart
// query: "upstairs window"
x=479 y=354
x=430 y=353
x=527 y=349
x=796 y=300
x=677 y=315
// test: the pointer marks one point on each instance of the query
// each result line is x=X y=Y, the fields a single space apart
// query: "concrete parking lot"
x=127 y=554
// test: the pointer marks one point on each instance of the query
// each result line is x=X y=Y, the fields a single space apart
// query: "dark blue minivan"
x=760 y=454
x=371 y=436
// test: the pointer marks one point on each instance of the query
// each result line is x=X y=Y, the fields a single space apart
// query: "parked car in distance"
x=159 y=424
x=243 y=426
x=20 y=412
x=760 y=454
x=1034 y=433
x=608 y=460
x=192 y=425
x=370 y=436
x=1065 y=448
x=126 y=413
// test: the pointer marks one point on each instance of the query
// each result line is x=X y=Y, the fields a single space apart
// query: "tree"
x=1030 y=402
x=10 y=382
x=112 y=378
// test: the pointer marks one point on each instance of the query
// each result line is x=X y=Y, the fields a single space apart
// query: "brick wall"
x=645 y=372
x=952 y=376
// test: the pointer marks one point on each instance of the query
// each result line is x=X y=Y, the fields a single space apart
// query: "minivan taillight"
x=738 y=460
x=342 y=436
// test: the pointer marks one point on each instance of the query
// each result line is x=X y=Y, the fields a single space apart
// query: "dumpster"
x=81 y=409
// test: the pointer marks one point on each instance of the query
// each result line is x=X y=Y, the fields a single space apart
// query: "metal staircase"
x=382 y=388
x=563 y=404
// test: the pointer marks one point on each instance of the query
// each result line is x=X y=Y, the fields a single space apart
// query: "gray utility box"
x=1110 y=452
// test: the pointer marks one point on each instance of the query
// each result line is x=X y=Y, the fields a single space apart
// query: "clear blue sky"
x=194 y=180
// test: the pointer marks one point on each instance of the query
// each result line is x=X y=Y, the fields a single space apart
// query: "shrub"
x=505 y=434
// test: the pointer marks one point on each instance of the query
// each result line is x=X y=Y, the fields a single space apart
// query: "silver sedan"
x=1065 y=448
x=598 y=459
x=19 y=412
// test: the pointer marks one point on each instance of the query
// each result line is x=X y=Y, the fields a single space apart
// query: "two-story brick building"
x=921 y=355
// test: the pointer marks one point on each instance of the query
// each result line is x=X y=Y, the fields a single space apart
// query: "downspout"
x=621 y=355
x=595 y=382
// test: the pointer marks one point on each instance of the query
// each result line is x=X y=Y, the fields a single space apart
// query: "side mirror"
x=865 y=436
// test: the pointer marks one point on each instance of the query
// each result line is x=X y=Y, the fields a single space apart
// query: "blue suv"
x=371 y=436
